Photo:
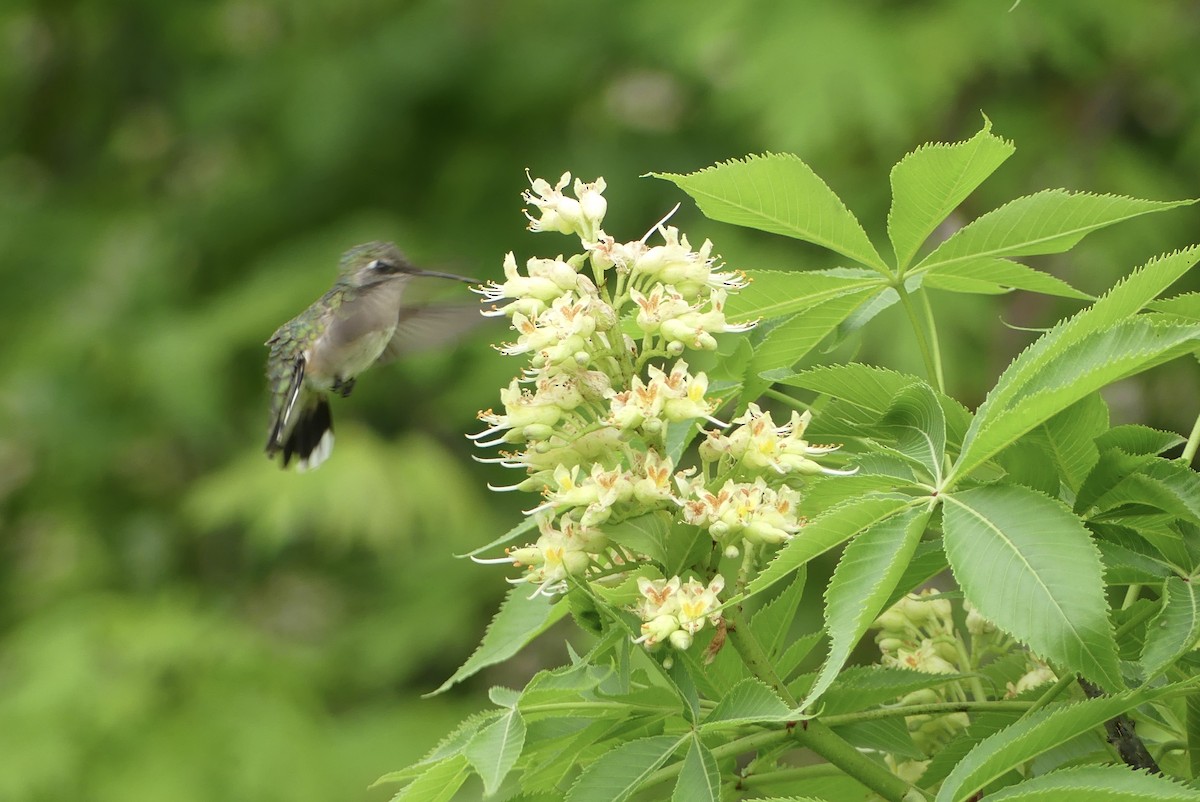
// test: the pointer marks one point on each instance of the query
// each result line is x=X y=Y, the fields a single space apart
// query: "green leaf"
x=790 y=341
x=1100 y=359
x=1050 y=221
x=1032 y=736
x=450 y=746
x=830 y=529
x=1186 y=306
x=991 y=276
x=772 y=623
x=918 y=425
x=929 y=183
x=781 y=194
x=779 y=293
x=526 y=525
x=861 y=584
x=1122 y=301
x=888 y=735
x=748 y=702
x=872 y=389
x=617 y=774
x=1070 y=437
x=644 y=534
x=1096 y=784
x=438 y=783
x=1175 y=630
x=1167 y=485
x=519 y=620
x=862 y=687
x=1133 y=438
x=1123 y=565
x=495 y=749
x=1028 y=564
x=699 y=779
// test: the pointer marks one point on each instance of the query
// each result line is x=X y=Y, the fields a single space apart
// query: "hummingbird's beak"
x=436 y=274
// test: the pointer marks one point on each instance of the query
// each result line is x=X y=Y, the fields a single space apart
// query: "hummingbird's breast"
x=355 y=337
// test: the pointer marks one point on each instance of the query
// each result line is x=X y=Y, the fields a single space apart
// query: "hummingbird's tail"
x=310 y=440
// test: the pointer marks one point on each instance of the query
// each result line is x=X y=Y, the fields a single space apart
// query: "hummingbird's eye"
x=380 y=265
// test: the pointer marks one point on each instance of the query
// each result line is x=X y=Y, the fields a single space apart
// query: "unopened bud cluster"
x=918 y=634
x=606 y=333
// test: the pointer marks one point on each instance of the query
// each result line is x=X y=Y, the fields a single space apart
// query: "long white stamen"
x=657 y=226
x=488 y=432
x=505 y=488
x=491 y=560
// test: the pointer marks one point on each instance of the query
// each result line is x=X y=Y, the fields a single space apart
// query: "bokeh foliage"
x=179 y=619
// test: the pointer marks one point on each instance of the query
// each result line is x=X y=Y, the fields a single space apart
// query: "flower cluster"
x=918 y=633
x=605 y=333
x=674 y=611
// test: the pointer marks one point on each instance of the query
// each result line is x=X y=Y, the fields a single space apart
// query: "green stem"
x=818 y=738
x=1193 y=443
x=926 y=332
x=931 y=709
x=976 y=684
x=812 y=734
x=786 y=399
x=753 y=655
x=1131 y=595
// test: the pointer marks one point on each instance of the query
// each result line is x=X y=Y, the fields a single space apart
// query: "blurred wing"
x=423 y=328
x=285 y=391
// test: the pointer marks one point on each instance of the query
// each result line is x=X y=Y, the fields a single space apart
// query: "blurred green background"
x=181 y=620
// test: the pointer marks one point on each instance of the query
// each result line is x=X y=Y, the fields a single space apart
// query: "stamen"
x=658 y=226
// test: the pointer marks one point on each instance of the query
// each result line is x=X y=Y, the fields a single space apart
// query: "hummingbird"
x=359 y=322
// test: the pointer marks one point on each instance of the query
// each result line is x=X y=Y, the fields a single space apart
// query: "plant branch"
x=921 y=317
x=812 y=734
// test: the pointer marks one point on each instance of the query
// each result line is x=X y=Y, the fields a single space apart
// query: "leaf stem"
x=1193 y=443
x=931 y=709
x=785 y=399
x=923 y=326
x=813 y=734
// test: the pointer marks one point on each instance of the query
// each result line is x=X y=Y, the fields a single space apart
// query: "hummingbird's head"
x=377 y=262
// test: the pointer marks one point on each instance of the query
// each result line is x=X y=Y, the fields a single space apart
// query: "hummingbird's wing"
x=422 y=328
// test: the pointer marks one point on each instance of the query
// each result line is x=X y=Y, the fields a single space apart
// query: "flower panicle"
x=606 y=335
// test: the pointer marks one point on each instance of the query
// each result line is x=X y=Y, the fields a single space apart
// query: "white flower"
x=675 y=611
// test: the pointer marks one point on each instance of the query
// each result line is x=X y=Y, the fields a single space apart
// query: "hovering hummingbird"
x=360 y=321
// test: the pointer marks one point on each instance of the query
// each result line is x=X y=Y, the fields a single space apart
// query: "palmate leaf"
x=1125 y=299
x=519 y=620
x=862 y=583
x=1175 y=630
x=1028 y=565
x=1032 y=736
x=781 y=194
x=929 y=183
x=1096 y=784
x=1050 y=221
